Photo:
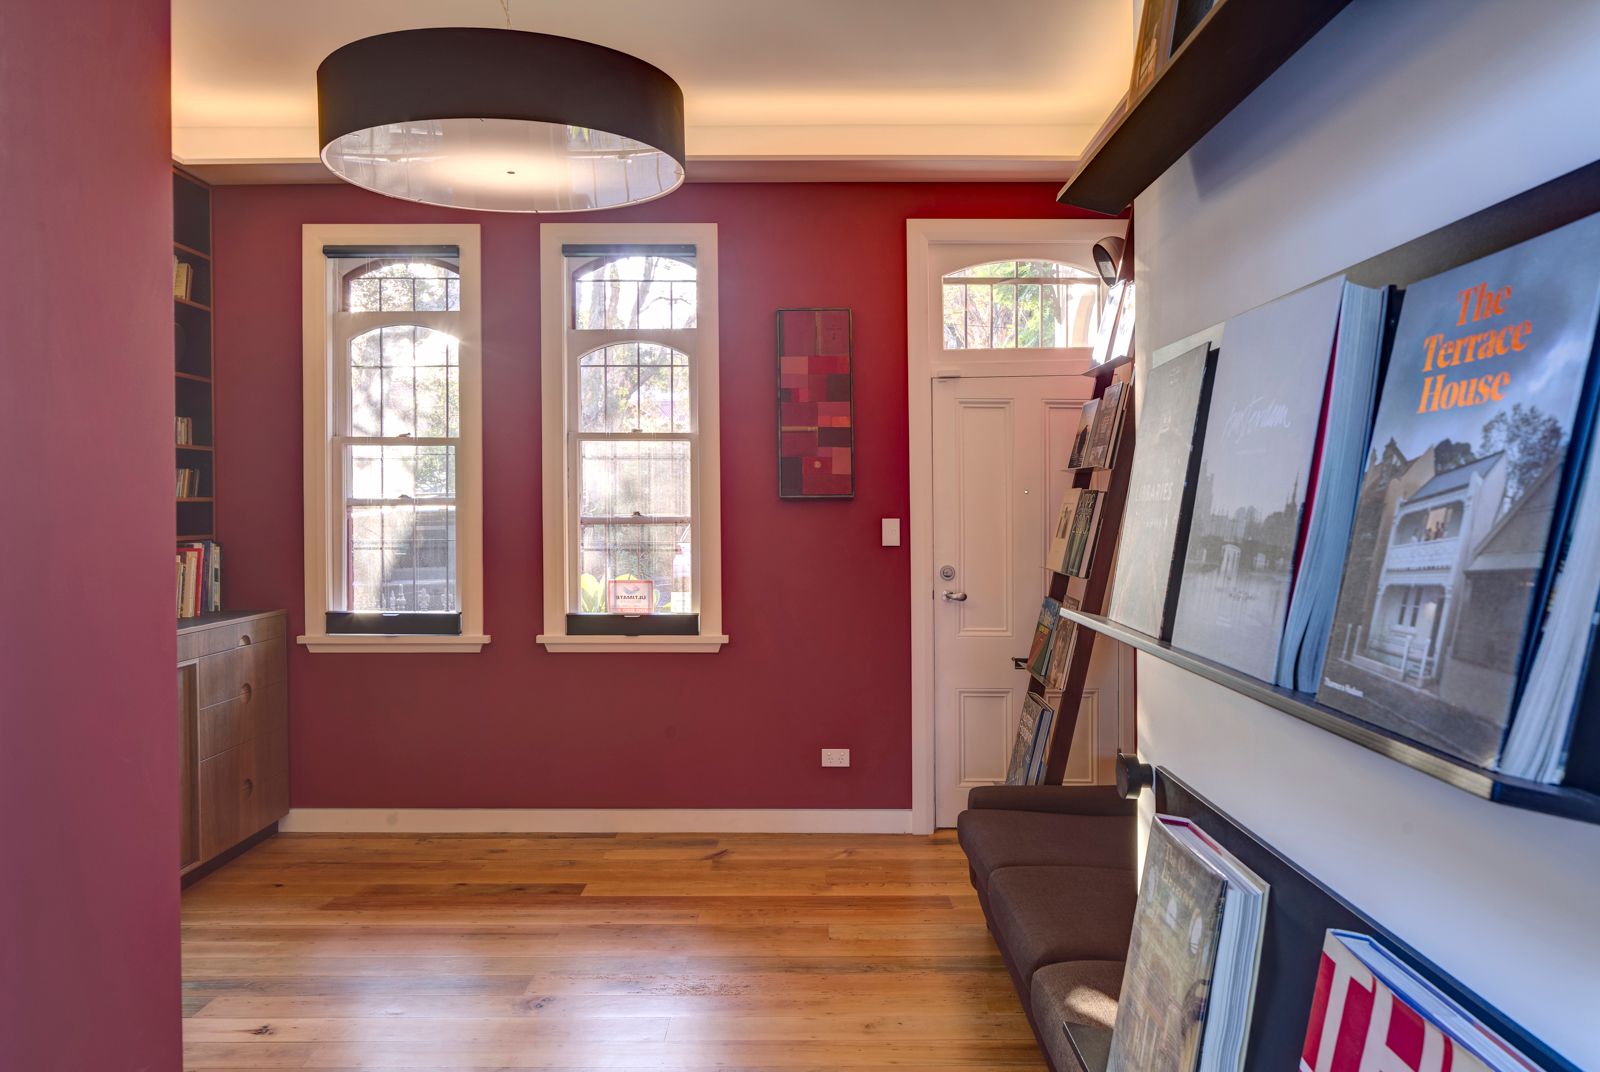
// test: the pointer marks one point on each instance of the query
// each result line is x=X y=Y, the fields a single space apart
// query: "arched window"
x=391 y=284
x=401 y=426
x=1020 y=304
x=632 y=290
x=629 y=437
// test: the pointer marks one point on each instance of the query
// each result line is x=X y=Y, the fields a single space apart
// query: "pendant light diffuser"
x=501 y=120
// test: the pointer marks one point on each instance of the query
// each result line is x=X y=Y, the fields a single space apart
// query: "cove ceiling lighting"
x=502 y=120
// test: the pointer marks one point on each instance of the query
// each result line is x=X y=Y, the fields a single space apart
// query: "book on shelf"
x=1269 y=409
x=1031 y=746
x=1101 y=452
x=1161 y=487
x=182 y=278
x=1043 y=633
x=188 y=483
x=1472 y=491
x=1106 y=328
x=199 y=578
x=1122 y=340
x=1081 y=537
x=1079 y=455
x=1370 y=1010
x=1188 y=987
x=1056 y=554
x=183 y=429
x=1061 y=645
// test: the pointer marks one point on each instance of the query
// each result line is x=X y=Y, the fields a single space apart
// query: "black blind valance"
x=627 y=249
x=336 y=252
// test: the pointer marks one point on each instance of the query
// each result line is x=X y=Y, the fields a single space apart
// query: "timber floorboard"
x=675 y=953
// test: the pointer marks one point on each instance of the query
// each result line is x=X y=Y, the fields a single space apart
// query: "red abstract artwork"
x=816 y=434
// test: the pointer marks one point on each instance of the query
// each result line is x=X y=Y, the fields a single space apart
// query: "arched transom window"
x=1020 y=304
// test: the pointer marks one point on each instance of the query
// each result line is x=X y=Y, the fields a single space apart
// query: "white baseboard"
x=596 y=821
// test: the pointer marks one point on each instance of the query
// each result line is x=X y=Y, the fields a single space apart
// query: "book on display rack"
x=1188 y=987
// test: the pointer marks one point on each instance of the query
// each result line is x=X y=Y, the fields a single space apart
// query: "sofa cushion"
x=996 y=839
x=1047 y=915
x=1082 y=993
x=1060 y=799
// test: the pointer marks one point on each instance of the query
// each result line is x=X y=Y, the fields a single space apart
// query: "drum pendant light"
x=501 y=120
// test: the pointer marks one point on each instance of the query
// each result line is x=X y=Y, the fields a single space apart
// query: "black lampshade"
x=503 y=120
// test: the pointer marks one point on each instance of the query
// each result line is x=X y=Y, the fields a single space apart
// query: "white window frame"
x=322 y=396
x=559 y=352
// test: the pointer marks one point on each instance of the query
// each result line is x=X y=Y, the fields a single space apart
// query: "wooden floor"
x=596 y=952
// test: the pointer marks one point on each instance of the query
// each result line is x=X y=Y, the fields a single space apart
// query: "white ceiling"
x=773 y=88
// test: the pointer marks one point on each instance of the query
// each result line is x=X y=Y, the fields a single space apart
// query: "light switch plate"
x=891 y=532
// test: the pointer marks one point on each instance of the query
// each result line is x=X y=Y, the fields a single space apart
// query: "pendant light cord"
x=505 y=6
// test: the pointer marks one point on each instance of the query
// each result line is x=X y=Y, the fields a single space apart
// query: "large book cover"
x=1255 y=468
x=1023 y=747
x=1056 y=557
x=1044 y=630
x=1041 y=742
x=1166 y=984
x=1061 y=646
x=1101 y=452
x=1080 y=538
x=1155 y=527
x=1466 y=479
x=1372 y=1013
x=1079 y=457
x=1106 y=329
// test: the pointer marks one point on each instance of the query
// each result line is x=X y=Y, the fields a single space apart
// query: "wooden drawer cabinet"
x=240 y=672
x=244 y=718
x=234 y=707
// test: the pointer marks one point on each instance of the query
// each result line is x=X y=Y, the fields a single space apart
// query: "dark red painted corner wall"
x=88 y=730
x=817 y=610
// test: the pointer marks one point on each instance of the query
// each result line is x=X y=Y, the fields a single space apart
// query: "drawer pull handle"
x=245 y=692
x=244 y=639
x=249 y=787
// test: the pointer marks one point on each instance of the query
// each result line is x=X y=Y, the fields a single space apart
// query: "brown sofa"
x=1054 y=867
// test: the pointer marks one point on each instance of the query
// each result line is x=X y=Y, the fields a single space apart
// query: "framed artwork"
x=816 y=408
x=631 y=596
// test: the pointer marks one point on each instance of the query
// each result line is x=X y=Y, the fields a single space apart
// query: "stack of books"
x=183 y=428
x=199 y=578
x=188 y=485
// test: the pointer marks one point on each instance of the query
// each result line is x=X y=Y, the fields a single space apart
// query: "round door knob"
x=249 y=787
x=245 y=692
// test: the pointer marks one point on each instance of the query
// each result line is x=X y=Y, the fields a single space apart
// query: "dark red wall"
x=88 y=725
x=817 y=610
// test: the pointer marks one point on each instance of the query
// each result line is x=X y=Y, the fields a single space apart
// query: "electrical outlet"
x=836 y=757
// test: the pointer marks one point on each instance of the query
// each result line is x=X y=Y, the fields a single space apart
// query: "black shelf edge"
x=1566 y=801
x=1237 y=48
x=1107 y=367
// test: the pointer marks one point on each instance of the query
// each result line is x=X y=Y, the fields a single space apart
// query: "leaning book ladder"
x=1090 y=591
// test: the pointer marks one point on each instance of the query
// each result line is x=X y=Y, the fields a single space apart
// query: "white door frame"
x=924 y=360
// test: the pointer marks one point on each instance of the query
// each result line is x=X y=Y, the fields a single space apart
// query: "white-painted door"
x=1000 y=446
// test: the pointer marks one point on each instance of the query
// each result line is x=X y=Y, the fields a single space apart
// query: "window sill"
x=639 y=644
x=393 y=643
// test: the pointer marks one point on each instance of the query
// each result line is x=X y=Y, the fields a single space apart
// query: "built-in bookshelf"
x=194 y=433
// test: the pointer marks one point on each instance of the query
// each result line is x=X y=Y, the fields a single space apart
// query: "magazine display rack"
x=1542 y=208
x=1300 y=911
x=1091 y=591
